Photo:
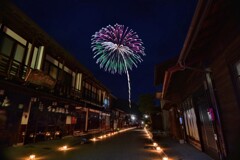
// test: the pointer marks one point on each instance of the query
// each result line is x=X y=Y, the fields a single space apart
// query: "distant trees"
x=147 y=105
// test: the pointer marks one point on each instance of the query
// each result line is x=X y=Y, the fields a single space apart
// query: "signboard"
x=71 y=120
x=68 y=120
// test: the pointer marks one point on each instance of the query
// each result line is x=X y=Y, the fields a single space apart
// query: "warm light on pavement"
x=155 y=144
x=165 y=158
x=32 y=157
x=63 y=148
x=159 y=149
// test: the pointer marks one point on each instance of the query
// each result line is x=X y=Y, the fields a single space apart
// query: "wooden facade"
x=208 y=74
x=44 y=87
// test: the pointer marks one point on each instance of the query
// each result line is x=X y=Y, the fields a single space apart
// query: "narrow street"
x=129 y=145
x=78 y=77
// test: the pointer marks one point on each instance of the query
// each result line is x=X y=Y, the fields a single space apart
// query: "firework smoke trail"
x=128 y=78
x=117 y=50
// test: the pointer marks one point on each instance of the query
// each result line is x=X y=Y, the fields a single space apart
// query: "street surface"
x=129 y=145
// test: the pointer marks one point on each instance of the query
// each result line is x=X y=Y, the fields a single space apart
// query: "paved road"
x=129 y=145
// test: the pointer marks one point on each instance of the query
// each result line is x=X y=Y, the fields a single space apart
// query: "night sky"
x=161 y=24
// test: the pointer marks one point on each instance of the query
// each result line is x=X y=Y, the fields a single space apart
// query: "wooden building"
x=44 y=91
x=204 y=84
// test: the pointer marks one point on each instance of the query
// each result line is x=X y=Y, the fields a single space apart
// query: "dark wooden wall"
x=227 y=96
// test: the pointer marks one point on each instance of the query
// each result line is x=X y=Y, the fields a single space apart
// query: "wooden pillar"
x=86 y=122
x=24 y=123
x=218 y=124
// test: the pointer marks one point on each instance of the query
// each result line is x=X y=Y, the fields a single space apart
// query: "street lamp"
x=146 y=116
x=133 y=117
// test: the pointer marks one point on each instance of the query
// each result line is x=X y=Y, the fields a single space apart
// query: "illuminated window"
x=190 y=119
x=19 y=53
x=106 y=102
x=51 y=69
x=53 y=72
x=94 y=93
x=11 y=50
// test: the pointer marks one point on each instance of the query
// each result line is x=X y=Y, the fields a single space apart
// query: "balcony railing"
x=40 y=78
x=11 y=68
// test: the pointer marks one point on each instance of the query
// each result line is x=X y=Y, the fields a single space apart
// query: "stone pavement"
x=42 y=148
x=172 y=148
x=46 y=147
x=176 y=151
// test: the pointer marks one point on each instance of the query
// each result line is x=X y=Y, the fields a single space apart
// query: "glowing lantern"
x=165 y=158
x=155 y=144
x=32 y=156
x=159 y=149
x=63 y=148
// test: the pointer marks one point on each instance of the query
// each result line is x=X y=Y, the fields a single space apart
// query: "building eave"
x=199 y=15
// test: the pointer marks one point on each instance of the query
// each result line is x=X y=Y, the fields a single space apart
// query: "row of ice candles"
x=155 y=144
x=65 y=147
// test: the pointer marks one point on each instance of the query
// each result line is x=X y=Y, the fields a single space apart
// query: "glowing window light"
x=32 y=156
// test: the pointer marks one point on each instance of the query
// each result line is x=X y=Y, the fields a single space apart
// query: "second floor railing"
x=12 y=69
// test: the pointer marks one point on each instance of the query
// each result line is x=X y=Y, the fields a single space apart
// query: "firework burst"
x=117 y=50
